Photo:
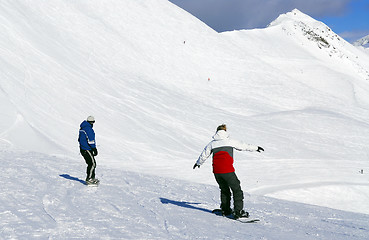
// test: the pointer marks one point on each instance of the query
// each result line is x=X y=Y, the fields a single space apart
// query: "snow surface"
x=47 y=200
x=158 y=82
x=364 y=42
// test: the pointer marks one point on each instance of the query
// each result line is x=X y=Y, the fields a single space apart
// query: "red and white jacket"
x=222 y=149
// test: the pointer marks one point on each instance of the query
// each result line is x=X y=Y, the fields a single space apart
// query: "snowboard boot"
x=241 y=214
x=90 y=181
x=226 y=212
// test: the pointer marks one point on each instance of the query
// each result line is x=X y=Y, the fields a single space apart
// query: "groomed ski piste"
x=159 y=82
x=47 y=199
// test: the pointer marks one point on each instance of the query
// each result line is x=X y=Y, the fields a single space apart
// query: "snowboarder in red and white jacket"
x=222 y=149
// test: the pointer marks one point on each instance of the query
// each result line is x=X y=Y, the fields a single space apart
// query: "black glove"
x=94 y=151
x=196 y=165
x=260 y=149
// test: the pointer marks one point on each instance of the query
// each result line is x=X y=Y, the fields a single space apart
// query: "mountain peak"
x=297 y=22
x=364 y=41
x=295 y=16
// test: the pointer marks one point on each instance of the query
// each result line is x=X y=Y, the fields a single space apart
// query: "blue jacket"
x=86 y=136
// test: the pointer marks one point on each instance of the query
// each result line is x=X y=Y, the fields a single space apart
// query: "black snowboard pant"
x=91 y=163
x=228 y=182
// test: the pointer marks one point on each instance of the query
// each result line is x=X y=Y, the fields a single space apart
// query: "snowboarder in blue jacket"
x=88 y=149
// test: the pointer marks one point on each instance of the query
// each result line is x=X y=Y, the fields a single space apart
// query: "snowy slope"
x=159 y=81
x=364 y=42
x=46 y=200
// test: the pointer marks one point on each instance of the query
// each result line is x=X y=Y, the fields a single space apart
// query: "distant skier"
x=222 y=149
x=88 y=149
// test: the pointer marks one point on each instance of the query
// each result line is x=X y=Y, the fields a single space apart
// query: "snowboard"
x=231 y=216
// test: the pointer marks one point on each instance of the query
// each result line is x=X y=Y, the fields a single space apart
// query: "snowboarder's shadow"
x=69 y=177
x=184 y=204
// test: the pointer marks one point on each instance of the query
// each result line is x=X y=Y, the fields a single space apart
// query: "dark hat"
x=222 y=127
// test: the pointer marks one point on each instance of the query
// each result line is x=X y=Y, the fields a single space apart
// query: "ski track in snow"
x=44 y=197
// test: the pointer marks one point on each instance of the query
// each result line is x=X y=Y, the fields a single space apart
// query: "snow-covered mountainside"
x=159 y=81
x=364 y=42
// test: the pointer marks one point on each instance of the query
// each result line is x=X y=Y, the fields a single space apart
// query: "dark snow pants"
x=91 y=163
x=227 y=182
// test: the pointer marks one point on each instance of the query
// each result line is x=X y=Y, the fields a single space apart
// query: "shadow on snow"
x=69 y=177
x=184 y=204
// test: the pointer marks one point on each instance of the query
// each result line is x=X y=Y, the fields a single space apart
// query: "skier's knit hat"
x=91 y=119
x=222 y=127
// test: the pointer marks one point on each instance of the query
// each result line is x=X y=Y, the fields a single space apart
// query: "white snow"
x=158 y=82
x=363 y=42
x=46 y=200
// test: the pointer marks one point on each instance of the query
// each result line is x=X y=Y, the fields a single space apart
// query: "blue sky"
x=354 y=23
x=348 y=18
